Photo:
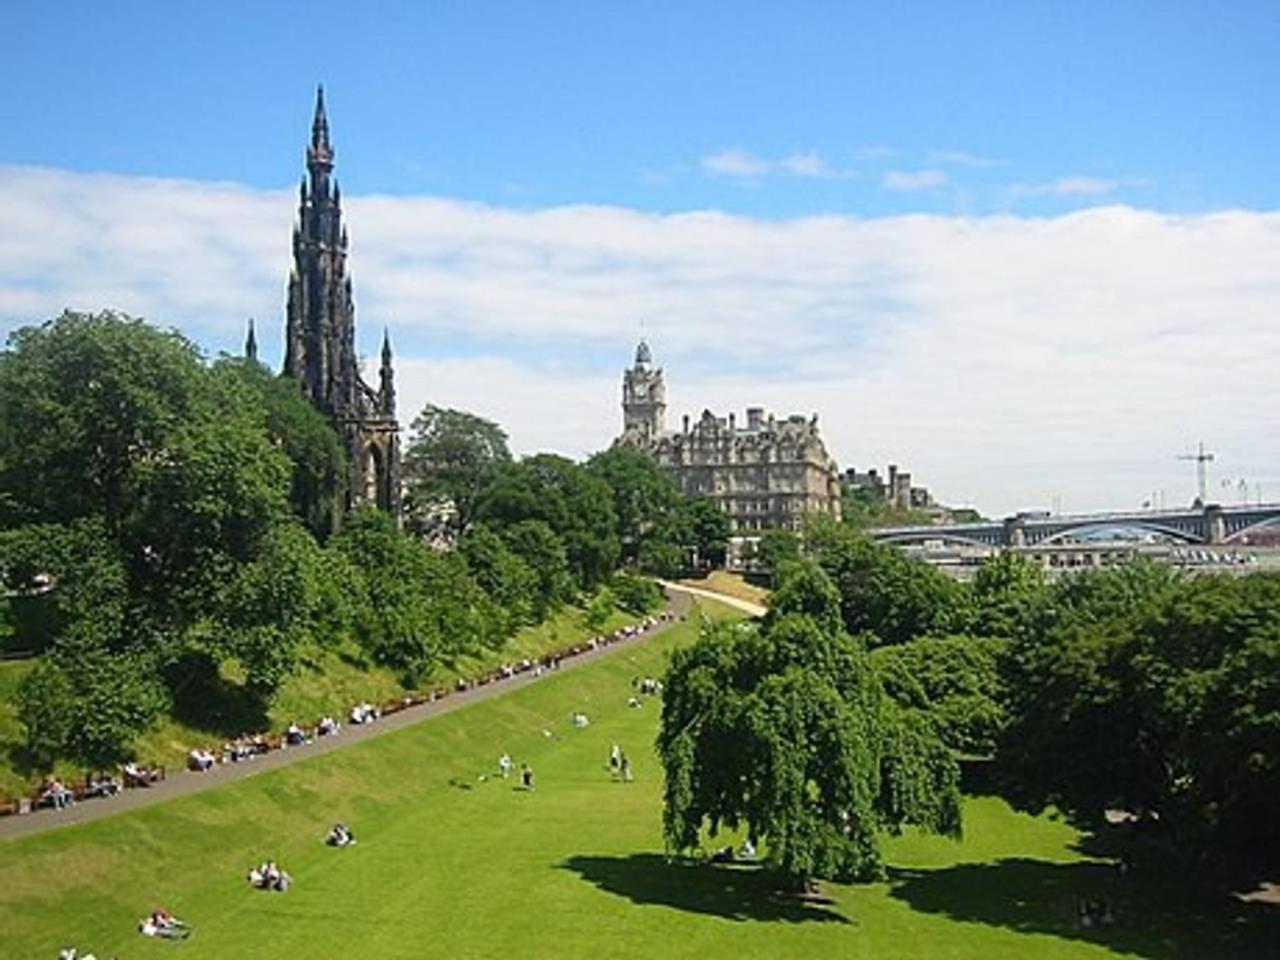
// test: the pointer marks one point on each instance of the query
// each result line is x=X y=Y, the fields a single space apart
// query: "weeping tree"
x=783 y=729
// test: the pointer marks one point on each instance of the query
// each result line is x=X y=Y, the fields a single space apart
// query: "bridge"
x=1210 y=524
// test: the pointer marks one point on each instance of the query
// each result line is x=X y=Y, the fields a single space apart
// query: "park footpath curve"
x=746 y=606
x=187 y=782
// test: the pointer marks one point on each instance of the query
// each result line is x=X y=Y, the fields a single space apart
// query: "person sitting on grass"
x=294 y=735
x=340 y=836
x=327 y=726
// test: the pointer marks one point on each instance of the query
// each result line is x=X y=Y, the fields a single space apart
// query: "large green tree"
x=885 y=593
x=451 y=458
x=413 y=607
x=955 y=680
x=1165 y=704
x=784 y=730
x=574 y=503
x=136 y=485
x=317 y=458
x=653 y=519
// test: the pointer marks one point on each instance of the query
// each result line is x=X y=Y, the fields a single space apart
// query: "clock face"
x=640 y=389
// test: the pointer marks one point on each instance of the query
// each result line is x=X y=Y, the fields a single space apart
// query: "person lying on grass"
x=340 y=836
x=162 y=923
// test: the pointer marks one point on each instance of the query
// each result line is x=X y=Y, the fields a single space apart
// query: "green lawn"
x=331 y=680
x=452 y=865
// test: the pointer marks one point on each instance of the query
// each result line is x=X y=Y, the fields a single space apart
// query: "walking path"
x=181 y=783
x=746 y=606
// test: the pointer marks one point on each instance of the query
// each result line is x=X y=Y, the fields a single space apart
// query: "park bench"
x=145 y=778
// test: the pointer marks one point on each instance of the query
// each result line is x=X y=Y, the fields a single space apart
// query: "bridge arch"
x=1182 y=536
x=1237 y=535
x=928 y=534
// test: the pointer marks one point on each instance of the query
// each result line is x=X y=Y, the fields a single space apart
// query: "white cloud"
x=743 y=165
x=736 y=163
x=1092 y=187
x=1003 y=360
x=959 y=158
x=909 y=180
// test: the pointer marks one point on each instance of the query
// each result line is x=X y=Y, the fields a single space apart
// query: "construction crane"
x=1201 y=458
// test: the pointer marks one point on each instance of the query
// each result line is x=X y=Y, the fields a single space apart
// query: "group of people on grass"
x=268 y=876
x=620 y=764
x=340 y=835
x=505 y=767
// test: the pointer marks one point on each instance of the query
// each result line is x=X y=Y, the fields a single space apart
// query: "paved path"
x=184 y=782
x=746 y=606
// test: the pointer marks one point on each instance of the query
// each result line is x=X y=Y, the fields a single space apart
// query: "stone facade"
x=765 y=473
x=320 y=351
x=897 y=490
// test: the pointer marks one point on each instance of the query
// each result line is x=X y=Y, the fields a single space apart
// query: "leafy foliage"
x=955 y=680
x=451 y=459
x=1157 y=696
x=654 y=525
x=1008 y=596
x=710 y=530
x=885 y=593
x=636 y=594
x=141 y=489
x=575 y=504
x=784 y=728
x=318 y=460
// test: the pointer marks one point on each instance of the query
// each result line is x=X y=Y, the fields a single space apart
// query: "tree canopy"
x=1165 y=703
x=784 y=729
x=451 y=459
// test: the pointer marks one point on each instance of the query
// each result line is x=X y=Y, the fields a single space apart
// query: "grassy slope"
x=11 y=673
x=335 y=680
x=731 y=585
x=573 y=869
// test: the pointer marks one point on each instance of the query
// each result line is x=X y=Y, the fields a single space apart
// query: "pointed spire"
x=251 y=344
x=320 y=124
x=387 y=393
x=321 y=151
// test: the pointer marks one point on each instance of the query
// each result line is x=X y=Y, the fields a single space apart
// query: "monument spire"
x=251 y=344
x=320 y=128
x=320 y=334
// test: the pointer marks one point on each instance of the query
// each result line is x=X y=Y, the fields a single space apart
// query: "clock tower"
x=644 y=397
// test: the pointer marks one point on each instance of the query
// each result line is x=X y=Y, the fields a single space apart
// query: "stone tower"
x=320 y=335
x=644 y=398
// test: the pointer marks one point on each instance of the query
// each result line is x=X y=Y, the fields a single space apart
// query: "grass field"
x=731 y=585
x=330 y=682
x=449 y=865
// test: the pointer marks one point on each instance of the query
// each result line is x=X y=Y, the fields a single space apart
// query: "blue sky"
x=1028 y=251
x=1172 y=105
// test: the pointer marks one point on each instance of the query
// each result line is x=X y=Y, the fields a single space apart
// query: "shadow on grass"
x=207 y=701
x=731 y=892
x=1159 y=918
